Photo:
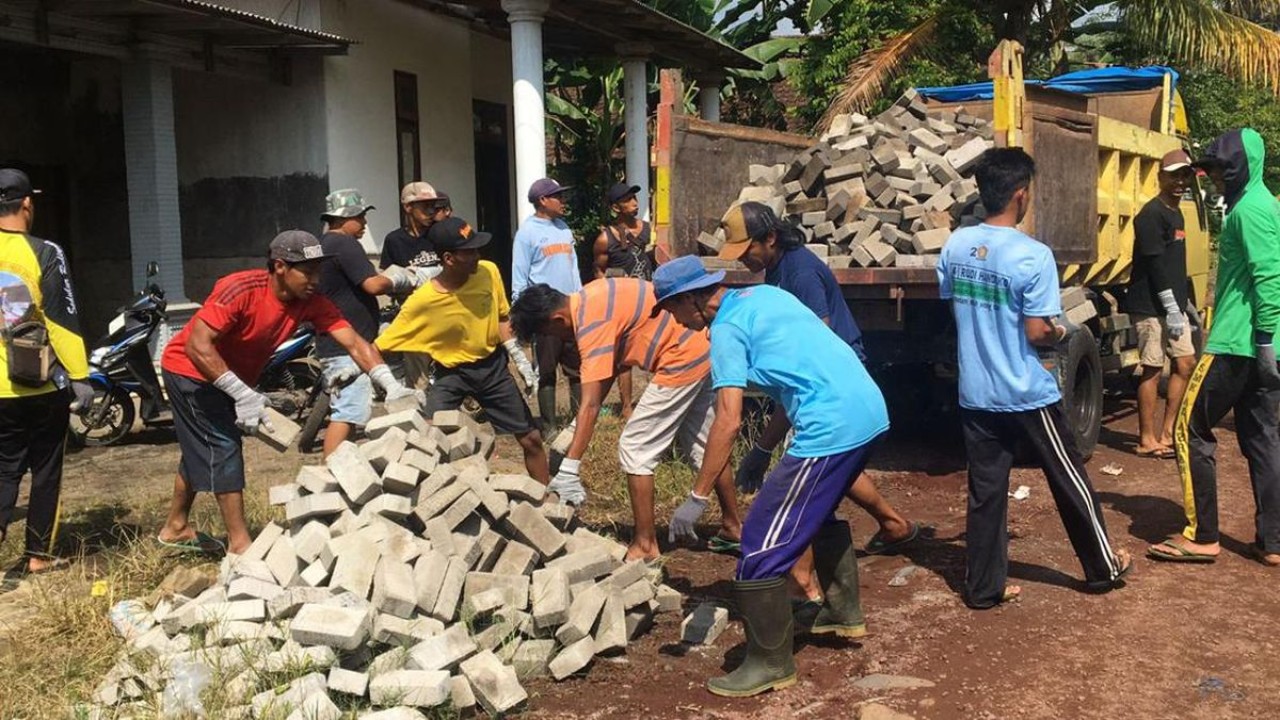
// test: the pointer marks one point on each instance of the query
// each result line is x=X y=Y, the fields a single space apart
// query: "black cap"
x=621 y=191
x=15 y=185
x=454 y=233
x=545 y=187
x=296 y=246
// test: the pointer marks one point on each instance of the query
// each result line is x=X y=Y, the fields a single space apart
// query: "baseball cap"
x=680 y=276
x=346 y=203
x=544 y=187
x=454 y=233
x=620 y=191
x=295 y=246
x=1175 y=160
x=417 y=192
x=15 y=185
x=741 y=223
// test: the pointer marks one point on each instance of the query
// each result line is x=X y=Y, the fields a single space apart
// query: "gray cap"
x=544 y=187
x=295 y=246
x=347 y=203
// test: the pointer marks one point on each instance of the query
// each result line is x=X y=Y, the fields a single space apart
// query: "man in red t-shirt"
x=211 y=366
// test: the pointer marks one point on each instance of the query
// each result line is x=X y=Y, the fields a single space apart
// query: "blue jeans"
x=351 y=403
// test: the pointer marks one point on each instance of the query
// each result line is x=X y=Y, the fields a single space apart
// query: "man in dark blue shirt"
x=755 y=236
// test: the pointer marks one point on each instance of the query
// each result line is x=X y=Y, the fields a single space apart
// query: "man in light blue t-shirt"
x=1003 y=287
x=838 y=414
x=544 y=252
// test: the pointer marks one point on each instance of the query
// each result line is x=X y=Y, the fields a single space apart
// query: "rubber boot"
x=547 y=410
x=766 y=620
x=836 y=563
x=575 y=397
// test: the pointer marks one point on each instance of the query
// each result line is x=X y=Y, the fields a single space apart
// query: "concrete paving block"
x=1070 y=297
x=450 y=592
x=519 y=487
x=461 y=696
x=248 y=588
x=471 y=461
x=491 y=544
x=314 y=506
x=486 y=443
x=611 y=631
x=669 y=599
x=393 y=659
x=357 y=478
x=586 y=564
x=532 y=658
x=424 y=462
x=316 y=706
x=493 y=502
x=287 y=603
x=316 y=479
x=550 y=597
x=354 y=567
x=261 y=544
x=626 y=574
x=461 y=509
x=640 y=619
x=400 y=478
x=443 y=651
x=459 y=444
x=583 y=612
x=295 y=658
x=309 y=540
x=416 y=688
x=449 y=421
x=966 y=156
x=338 y=627
x=930 y=241
x=466 y=548
x=495 y=684
x=516 y=587
x=637 y=593
x=516 y=559
x=435 y=503
x=313 y=575
x=386 y=449
x=406 y=420
x=348 y=682
x=277 y=431
x=535 y=530
x=283 y=561
x=1081 y=314
x=483 y=605
x=274 y=703
x=558 y=514
x=388 y=505
x=583 y=538
x=572 y=659
x=281 y=494
x=393 y=590
x=391 y=630
x=427 y=441
x=441 y=537
x=704 y=624
x=428 y=577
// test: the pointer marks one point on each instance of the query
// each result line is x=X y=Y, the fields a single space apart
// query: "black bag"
x=29 y=353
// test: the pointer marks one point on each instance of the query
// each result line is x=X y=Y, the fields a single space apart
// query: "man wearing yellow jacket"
x=38 y=390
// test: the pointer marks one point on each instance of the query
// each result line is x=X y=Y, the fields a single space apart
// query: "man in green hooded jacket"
x=1238 y=370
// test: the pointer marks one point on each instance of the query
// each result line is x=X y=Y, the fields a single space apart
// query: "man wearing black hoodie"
x=1238 y=370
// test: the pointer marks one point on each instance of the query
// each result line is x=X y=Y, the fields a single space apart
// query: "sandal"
x=201 y=543
x=1178 y=554
x=1160 y=453
x=1264 y=557
x=878 y=545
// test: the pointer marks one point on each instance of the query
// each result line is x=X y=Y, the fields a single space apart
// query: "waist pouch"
x=29 y=354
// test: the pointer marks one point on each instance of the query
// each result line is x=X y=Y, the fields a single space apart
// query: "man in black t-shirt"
x=352 y=283
x=408 y=246
x=1156 y=302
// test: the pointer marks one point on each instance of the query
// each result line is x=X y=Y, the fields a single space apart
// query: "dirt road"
x=1178 y=642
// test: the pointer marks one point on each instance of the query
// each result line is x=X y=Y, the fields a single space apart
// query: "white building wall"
x=360 y=108
x=491 y=81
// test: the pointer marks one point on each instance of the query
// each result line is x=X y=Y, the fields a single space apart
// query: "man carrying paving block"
x=210 y=368
x=459 y=318
x=614 y=323
x=757 y=334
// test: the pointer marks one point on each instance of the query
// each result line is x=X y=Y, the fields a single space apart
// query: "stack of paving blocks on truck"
x=406 y=575
x=878 y=192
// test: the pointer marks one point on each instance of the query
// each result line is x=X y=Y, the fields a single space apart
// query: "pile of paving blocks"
x=878 y=192
x=406 y=576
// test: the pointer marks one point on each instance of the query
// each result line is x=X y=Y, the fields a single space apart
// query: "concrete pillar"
x=525 y=17
x=709 y=96
x=636 y=116
x=151 y=163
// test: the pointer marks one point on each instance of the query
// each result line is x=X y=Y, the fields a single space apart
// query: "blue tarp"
x=1102 y=80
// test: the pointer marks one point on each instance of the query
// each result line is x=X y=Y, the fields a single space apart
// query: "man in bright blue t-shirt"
x=1003 y=287
x=838 y=414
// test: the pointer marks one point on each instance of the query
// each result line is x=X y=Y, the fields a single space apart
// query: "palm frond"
x=872 y=71
x=1199 y=34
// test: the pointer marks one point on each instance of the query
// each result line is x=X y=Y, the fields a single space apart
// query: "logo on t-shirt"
x=15 y=300
x=979 y=252
x=1179 y=235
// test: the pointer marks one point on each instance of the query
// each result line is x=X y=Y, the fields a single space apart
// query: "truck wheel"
x=1080 y=378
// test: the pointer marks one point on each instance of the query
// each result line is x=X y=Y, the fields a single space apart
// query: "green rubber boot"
x=837 y=565
x=766 y=620
x=547 y=410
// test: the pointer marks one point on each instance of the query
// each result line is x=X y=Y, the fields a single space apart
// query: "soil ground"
x=1179 y=641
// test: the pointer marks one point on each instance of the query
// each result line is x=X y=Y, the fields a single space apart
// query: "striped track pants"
x=991 y=439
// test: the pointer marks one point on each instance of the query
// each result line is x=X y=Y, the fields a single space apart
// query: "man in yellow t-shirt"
x=459 y=318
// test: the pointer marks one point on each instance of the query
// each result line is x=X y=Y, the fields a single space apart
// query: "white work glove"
x=1174 y=320
x=394 y=389
x=251 y=406
x=1068 y=328
x=686 y=517
x=525 y=367
x=425 y=274
x=402 y=280
x=751 y=470
x=567 y=484
x=82 y=396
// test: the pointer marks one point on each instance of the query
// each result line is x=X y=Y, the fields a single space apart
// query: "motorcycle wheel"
x=115 y=409
x=315 y=420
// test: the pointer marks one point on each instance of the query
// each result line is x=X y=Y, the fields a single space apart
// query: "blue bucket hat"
x=680 y=276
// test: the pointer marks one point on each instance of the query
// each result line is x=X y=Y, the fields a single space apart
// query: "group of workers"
x=704 y=345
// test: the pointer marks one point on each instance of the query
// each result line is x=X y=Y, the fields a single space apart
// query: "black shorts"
x=205 y=420
x=491 y=384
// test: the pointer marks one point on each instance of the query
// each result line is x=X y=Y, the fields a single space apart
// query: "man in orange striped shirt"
x=613 y=323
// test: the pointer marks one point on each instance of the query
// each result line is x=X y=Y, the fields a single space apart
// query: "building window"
x=409 y=159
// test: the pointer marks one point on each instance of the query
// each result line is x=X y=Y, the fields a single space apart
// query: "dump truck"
x=1097 y=147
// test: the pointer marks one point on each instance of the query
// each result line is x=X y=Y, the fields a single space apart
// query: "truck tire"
x=1080 y=379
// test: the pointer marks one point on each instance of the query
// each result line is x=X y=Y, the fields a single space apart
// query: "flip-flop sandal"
x=724 y=546
x=1158 y=454
x=1264 y=557
x=201 y=543
x=1178 y=554
x=879 y=546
